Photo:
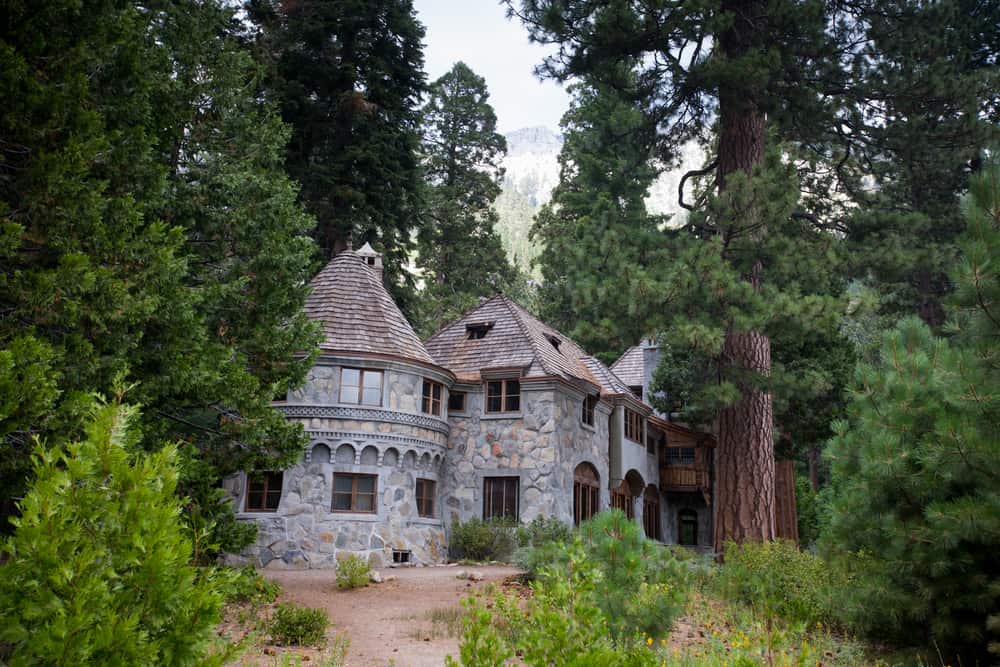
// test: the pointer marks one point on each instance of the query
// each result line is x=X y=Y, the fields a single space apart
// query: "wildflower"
x=649 y=641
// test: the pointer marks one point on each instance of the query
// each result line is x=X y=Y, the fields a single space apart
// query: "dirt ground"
x=390 y=623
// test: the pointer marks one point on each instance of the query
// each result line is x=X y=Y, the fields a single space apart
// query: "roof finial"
x=350 y=242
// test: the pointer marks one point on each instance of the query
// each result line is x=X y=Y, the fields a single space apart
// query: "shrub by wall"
x=482 y=540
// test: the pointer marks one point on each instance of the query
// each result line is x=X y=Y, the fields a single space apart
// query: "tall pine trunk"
x=744 y=463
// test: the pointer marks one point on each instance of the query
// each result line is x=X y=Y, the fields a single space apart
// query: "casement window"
x=263 y=491
x=431 y=403
x=650 y=443
x=651 y=514
x=679 y=455
x=360 y=387
x=586 y=493
x=354 y=493
x=500 y=498
x=425 y=497
x=633 y=425
x=456 y=401
x=589 y=404
x=621 y=498
x=503 y=396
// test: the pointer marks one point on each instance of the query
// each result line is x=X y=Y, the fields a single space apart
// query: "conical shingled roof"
x=516 y=338
x=357 y=314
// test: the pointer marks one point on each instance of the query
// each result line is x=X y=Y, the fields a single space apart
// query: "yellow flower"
x=649 y=641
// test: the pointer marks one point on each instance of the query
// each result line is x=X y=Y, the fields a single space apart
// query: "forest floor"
x=412 y=620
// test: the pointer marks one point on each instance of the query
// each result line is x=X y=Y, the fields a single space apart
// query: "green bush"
x=778 y=580
x=562 y=624
x=292 y=625
x=98 y=569
x=353 y=572
x=633 y=568
x=248 y=585
x=482 y=540
x=539 y=543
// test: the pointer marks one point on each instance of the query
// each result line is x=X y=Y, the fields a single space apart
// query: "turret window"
x=360 y=387
x=431 y=402
x=263 y=491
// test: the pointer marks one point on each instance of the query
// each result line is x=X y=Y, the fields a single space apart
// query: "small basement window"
x=400 y=556
x=478 y=330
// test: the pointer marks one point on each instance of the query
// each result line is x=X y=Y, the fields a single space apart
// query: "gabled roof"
x=629 y=367
x=515 y=338
x=357 y=314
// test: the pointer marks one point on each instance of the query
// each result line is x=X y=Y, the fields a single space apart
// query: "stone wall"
x=541 y=445
x=395 y=442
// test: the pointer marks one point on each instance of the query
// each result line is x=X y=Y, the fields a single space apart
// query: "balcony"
x=681 y=477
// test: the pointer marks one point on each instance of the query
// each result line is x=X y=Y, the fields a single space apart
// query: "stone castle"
x=497 y=415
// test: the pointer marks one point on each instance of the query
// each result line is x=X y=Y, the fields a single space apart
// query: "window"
x=633 y=425
x=478 y=330
x=456 y=401
x=425 y=497
x=687 y=527
x=621 y=498
x=431 y=403
x=679 y=455
x=586 y=493
x=500 y=498
x=555 y=342
x=589 y=403
x=353 y=493
x=360 y=386
x=263 y=491
x=503 y=396
x=651 y=443
x=636 y=389
x=651 y=513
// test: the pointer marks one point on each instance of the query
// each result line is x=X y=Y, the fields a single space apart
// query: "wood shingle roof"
x=629 y=366
x=514 y=338
x=357 y=314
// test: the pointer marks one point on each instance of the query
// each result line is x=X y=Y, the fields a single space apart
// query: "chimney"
x=372 y=258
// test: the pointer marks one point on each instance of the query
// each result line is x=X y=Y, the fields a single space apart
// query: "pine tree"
x=740 y=64
x=915 y=502
x=597 y=237
x=348 y=76
x=148 y=231
x=925 y=105
x=460 y=251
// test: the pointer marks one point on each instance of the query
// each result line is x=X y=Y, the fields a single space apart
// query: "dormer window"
x=370 y=261
x=478 y=330
x=555 y=342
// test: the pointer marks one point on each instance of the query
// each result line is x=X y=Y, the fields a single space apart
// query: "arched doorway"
x=687 y=527
x=651 y=513
x=586 y=492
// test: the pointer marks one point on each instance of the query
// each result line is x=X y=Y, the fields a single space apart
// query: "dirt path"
x=391 y=621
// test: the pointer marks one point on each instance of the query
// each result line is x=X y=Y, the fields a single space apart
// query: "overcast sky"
x=478 y=33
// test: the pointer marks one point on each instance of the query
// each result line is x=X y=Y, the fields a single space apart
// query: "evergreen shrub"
x=779 y=581
x=353 y=572
x=539 y=543
x=98 y=570
x=482 y=540
x=292 y=625
x=248 y=585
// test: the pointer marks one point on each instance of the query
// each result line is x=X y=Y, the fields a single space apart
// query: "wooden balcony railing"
x=683 y=477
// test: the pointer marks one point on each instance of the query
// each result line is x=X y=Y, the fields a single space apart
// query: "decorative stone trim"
x=365 y=414
x=362 y=439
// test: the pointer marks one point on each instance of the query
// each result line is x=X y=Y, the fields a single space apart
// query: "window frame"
x=362 y=372
x=622 y=498
x=423 y=499
x=505 y=396
x=268 y=476
x=354 y=476
x=589 y=410
x=586 y=494
x=427 y=399
x=634 y=424
x=680 y=459
x=651 y=515
x=504 y=481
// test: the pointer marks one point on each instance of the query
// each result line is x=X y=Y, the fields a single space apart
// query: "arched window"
x=651 y=512
x=687 y=527
x=586 y=492
x=621 y=498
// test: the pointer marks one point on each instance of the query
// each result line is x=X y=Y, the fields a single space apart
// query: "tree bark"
x=744 y=465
